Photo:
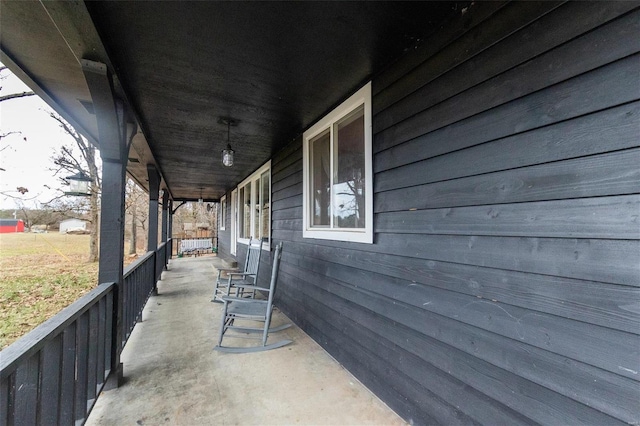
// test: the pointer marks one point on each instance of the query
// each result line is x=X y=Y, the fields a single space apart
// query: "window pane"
x=319 y=148
x=265 y=201
x=349 y=172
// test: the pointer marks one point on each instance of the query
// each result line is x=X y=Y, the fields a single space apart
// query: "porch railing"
x=161 y=258
x=137 y=285
x=53 y=374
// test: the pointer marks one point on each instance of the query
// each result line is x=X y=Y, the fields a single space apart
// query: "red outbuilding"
x=8 y=226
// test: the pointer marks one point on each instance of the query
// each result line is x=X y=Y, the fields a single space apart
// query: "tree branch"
x=15 y=95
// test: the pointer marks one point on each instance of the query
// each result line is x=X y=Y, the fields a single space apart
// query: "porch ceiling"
x=274 y=66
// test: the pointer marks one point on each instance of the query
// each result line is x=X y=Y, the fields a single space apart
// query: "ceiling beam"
x=108 y=113
x=7 y=59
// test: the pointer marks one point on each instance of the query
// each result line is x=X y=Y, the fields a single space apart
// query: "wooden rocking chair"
x=249 y=275
x=239 y=309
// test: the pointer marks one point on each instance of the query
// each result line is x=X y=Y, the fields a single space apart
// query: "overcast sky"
x=27 y=163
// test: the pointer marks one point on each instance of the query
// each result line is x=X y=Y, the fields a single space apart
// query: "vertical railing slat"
x=26 y=392
x=101 y=338
x=109 y=336
x=123 y=294
x=140 y=293
x=92 y=358
x=4 y=401
x=67 y=390
x=135 y=291
x=82 y=357
x=50 y=379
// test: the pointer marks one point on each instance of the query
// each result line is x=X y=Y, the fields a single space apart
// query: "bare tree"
x=195 y=220
x=6 y=134
x=7 y=97
x=134 y=205
x=25 y=213
x=15 y=95
x=18 y=195
x=131 y=207
x=39 y=216
x=66 y=161
x=10 y=96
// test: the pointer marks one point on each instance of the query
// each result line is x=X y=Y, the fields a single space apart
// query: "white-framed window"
x=254 y=207
x=223 y=213
x=337 y=173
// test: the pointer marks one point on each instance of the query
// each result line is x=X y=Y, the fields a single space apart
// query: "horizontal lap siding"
x=503 y=283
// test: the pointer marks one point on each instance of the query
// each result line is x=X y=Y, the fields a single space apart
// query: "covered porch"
x=493 y=157
x=173 y=376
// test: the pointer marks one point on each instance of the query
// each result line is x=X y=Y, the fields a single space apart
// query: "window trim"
x=255 y=176
x=223 y=212
x=361 y=97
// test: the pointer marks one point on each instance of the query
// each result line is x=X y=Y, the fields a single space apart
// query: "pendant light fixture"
x=227 y=154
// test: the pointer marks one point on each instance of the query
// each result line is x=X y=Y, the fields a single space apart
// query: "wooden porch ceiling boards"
x=274 y=66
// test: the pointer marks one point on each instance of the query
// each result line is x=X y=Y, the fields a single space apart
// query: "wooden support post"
x=165 y=226
x=170 y=229
x=113 y=138
x=165 y=217
x=152 y=240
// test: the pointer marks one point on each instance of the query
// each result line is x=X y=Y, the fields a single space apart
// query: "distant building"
x=72 y=225
x=8 y=226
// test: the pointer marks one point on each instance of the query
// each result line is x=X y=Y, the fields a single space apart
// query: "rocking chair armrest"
x=251 y=287
x=227 y=270
x=240 y=275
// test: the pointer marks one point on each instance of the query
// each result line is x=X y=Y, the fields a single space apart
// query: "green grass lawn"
x=40 y=274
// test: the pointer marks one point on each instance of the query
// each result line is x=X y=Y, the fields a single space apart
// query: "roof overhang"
x=275 y=67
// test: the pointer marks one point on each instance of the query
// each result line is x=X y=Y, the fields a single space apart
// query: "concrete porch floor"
x=174 y=377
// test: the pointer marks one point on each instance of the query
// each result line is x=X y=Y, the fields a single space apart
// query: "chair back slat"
x=249 y=273
x=253 y=258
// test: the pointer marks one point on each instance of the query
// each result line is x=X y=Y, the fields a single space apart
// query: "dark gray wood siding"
x=503 y=283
